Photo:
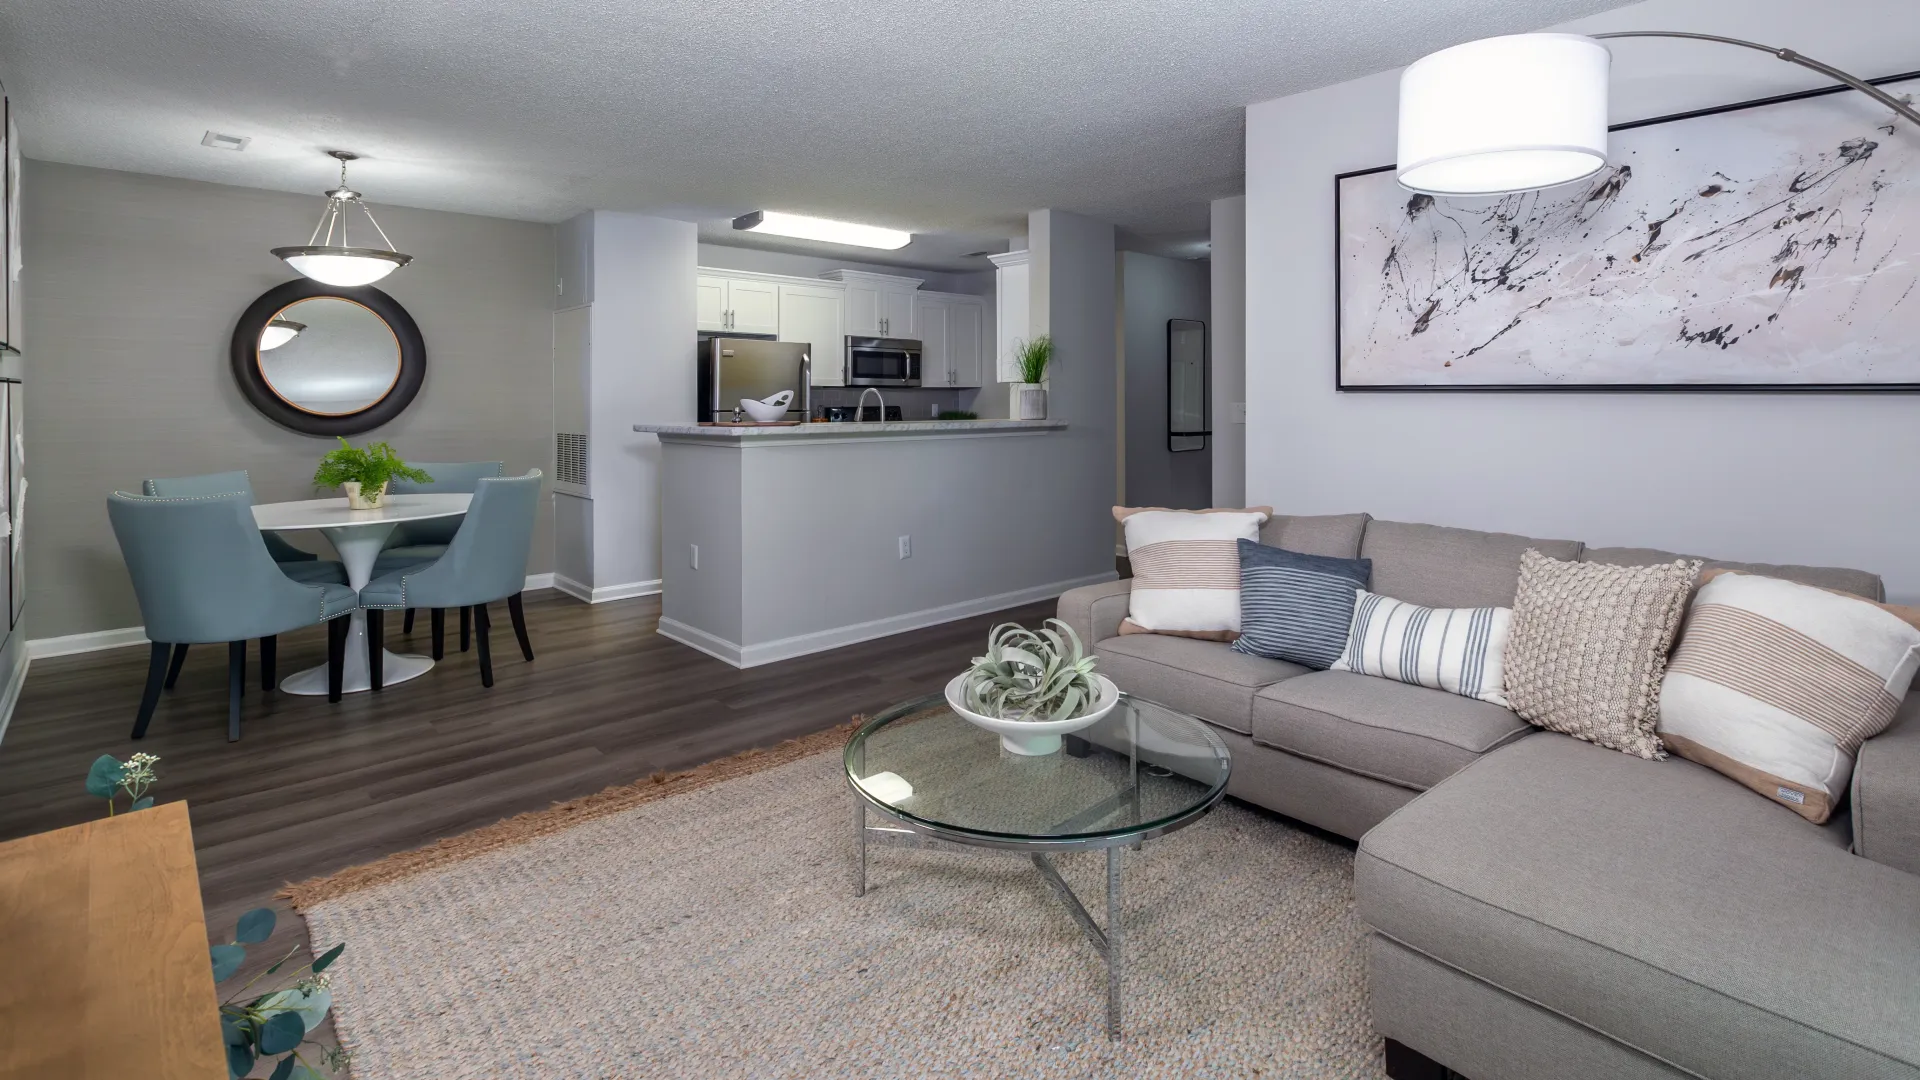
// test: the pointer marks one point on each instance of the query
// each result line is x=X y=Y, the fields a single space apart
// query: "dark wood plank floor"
x=312 y=787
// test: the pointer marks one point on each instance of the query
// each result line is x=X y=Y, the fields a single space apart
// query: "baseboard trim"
x=95 y=641
x=10 y=694
x=100 y=640
x=822 y=640
x=581 y=591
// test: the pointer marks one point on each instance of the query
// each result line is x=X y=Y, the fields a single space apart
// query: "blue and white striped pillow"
x=1297 y=607
x=1459 y=650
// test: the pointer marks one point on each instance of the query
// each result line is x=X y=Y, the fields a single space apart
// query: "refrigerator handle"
x=806 y=386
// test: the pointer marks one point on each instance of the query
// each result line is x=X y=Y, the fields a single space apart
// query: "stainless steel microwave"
x=878 y=361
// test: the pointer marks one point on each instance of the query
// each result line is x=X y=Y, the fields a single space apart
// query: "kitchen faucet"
x=859 y=408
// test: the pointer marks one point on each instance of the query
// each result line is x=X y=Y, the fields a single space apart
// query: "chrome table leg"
x=860 y=828
x=1115 y=969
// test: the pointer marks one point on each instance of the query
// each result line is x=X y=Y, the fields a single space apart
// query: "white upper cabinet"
x=816 y=316
x=710 y=305
x=737 y=305
x=953 y=335
x=878 y=305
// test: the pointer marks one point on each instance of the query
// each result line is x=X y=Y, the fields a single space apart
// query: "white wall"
x=1153 y=290
x=643 y=343
x=1227 y=344
x=1764 y=477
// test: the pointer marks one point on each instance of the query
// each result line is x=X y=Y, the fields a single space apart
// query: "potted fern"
x=1029 y=395
x=1032 y=687
x=363 y=472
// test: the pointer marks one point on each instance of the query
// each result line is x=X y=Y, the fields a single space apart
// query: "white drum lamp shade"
x=1504 y=114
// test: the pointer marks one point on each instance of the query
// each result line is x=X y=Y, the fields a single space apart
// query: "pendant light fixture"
x=279 y=331
x=330 y=263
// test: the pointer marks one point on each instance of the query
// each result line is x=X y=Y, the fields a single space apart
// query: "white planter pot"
x=1027 y=401
x=1030 y=738
x=358 y=501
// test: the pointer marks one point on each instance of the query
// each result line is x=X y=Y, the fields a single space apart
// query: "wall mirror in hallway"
x=1186 y=384
x=327 y=360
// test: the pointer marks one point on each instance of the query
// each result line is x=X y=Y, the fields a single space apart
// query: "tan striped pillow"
x=1776 y=684
x=1186 y=569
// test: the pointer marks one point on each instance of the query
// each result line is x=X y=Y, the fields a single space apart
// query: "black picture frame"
x=245 y=355
x=1341 y=386
x=1206 y=390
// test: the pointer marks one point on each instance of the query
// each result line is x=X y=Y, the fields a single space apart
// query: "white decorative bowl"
x=773 y=408
x=1034 y=738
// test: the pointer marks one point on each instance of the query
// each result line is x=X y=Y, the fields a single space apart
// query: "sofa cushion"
x=1435 y=566
x=1204 y=678
x=1857 y=582
x=1336 y=536
x=1659 y=903
x=1404 y=734
x=1886 y=792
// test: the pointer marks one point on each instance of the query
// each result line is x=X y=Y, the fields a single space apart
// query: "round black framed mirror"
x=326 y=360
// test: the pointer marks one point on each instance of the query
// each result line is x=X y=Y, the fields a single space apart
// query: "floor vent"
x=570 y=459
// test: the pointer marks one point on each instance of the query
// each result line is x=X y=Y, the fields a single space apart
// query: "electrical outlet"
x=906 y=547
x=694 y=556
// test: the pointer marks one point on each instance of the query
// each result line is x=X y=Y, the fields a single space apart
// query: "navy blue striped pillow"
x=1297 y=607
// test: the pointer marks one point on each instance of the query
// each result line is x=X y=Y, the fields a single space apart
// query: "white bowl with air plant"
x=1032 y=687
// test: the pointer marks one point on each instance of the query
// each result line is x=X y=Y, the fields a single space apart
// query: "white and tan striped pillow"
x=1186 y=569
x=1776 y=684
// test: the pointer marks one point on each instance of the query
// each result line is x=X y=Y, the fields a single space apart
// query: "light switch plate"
x=1239 y=412
x=694 y=555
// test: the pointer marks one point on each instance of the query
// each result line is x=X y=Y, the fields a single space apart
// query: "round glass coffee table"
x=1142 y=771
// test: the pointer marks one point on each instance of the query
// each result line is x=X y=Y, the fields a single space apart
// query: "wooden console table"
x=105 y=970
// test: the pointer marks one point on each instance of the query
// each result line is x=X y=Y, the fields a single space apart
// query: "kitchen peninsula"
x=782 y=541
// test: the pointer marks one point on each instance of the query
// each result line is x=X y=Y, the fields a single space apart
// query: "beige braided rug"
x=705 y=927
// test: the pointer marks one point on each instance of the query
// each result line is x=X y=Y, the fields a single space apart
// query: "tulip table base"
x=358 y=546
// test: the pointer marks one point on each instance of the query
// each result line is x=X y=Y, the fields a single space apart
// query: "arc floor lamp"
x=1529 y=111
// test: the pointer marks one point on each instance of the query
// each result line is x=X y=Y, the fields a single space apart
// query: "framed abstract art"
x=1770 y=245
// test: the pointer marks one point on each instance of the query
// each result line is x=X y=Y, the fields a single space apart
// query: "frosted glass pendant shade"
x=1504 y=114
x=343 y=266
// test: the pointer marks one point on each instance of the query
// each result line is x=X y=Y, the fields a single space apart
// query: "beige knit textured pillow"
x=1589 y=646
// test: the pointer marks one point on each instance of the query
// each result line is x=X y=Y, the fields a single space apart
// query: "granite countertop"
x=796 y=432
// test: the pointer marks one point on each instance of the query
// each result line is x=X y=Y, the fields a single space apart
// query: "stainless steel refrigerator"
x=735 y=368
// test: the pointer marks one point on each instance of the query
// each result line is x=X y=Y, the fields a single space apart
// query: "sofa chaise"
x=1542 y=907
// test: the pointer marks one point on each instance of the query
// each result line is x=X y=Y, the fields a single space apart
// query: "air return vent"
x=570 y=459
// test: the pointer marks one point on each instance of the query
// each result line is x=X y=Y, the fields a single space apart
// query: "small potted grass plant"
x=363 y=472
x=1032 y=687
x=1029 y=395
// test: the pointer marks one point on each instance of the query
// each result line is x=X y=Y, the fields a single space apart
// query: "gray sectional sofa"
x=1545 y=908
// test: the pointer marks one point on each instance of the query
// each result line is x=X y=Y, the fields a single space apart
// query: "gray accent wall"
x=1227 y=349
x=133 y=286
x=1779 y=478
x=1153 y=290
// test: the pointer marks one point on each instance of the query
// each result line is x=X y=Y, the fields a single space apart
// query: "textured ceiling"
x=951 y=119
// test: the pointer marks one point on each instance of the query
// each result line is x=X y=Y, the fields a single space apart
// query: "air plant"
x=1031 y=675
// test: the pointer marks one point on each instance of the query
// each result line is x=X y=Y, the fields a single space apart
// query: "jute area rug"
x=706 y=927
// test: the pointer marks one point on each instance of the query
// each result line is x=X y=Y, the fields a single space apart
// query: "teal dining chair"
x=298 y=565
x=202 y=574
x=419 y=542
x=485 y=562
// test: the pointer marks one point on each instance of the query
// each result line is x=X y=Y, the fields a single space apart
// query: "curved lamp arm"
x=1790 y=57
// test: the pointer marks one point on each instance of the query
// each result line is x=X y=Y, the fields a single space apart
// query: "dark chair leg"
x=480 y=639
x=518 y=613
x=150 y=697
x=406 y=625
x=376 y=646
x=236 y=686
x=173 y=669
x=1406 y=1063
x=337 y=630
x=269 y=653
x=466 y=628
x=438 y=616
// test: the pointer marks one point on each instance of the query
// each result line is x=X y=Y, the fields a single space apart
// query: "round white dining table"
x=358 y=536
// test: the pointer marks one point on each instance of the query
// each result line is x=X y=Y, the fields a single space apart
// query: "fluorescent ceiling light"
x=813 y=228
